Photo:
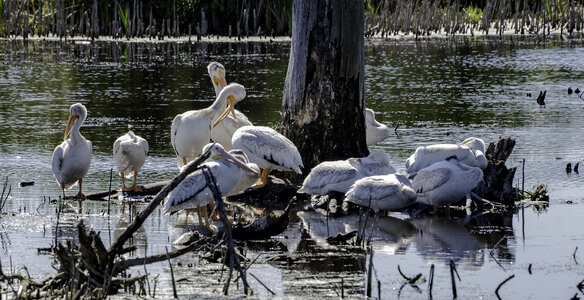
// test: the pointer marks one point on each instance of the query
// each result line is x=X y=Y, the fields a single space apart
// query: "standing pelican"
x=223 y=132
x=446 y=182
x=268 y=149
x=470 y=152
x=130 y=153
x=193 y=191
x=375 y=131
x=71 y=159
x=382 y=192
x=191 y=131
x=338 y=176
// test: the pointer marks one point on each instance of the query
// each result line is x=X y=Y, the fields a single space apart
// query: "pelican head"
x=217 y=152
x=234 y=93
x=217 y=73
x=76 y=111
x=380 y=157
x=474 y=144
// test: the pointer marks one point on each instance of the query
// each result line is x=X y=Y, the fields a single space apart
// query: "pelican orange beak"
x=222 y=79
x=230 y=108
x=235 y=160
x=70 y=122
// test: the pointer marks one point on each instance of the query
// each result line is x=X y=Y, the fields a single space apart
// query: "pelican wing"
x=371 y=167
x=143 y=144
x=369 y=190
x=173 y=129
x=327 y=173
x=194 y=185
x=57 y=161
x=427 y=180
x=270 y=145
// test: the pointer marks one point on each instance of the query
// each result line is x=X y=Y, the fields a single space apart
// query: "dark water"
x=435 y=92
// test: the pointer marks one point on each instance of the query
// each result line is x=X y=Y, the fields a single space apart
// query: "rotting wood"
x=497 y=184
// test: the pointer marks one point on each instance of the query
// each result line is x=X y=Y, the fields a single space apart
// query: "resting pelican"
x=130 y=153
x=470 y=152
x=446 y=182
x=193 y=192
x=339 y=175
x=191 y=131
x=268 y=149
x=223 y=132
x=382 y=192
x=71 y=159
x=376 y=132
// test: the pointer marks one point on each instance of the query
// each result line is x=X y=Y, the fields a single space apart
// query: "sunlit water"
x=433 y=92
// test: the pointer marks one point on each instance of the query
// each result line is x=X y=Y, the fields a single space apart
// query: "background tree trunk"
x=324 y=100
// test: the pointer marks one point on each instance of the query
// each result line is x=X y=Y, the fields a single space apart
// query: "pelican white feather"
x=130 y=153
x=268 y=149
x=191 y=131
x=72 y=158
x=193 y=191
x=446 y=182
x=375 y=131
x=339 y=175
x=470 y=152
x=223 y=132
x=382 y=192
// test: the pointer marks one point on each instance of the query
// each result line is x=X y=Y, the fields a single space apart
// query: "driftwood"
x=264 y=227
x=497 y=182
x=148 y=189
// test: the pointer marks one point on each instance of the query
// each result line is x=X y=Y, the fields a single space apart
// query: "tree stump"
x=497 y=182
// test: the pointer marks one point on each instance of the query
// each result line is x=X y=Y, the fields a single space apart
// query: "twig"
x=411 y=281
x=501 y=284
x=452 y=269
x=171 y=274
x=369 y=272
x=574 y=255
x=265 y=286
x=395 y=129
x=109 y=192
x=529 y=269
x=431 y=279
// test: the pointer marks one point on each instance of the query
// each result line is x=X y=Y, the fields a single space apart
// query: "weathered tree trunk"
x=497 y=182
x=324 y=100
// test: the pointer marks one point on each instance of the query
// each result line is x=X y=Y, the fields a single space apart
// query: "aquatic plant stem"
x=501 y=284
x=171 y=274
x=431 y=279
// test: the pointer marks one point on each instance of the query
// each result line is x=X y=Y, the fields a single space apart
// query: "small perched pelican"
x=71 y=159
x=382 y=192
x=268 y=149
x=191 y=131
x=130 y=153
x=223 y=132
x=339 y=175
x=446 y=182
x=375 y=131
x=193 y=191
x=470 y=152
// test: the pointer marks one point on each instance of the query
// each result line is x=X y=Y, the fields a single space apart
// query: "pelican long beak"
x=230 y=108
x=236 y=161
x=70 y=123
x=222 y=79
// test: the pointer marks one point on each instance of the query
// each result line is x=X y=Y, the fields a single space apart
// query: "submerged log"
x=497 y=182
x=148 y=189
x=264 y=227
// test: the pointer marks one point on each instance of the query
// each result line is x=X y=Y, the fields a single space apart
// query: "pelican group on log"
x=470 y=152
x=193 y=191
x=382 y=192
x=445 y=182
x=375 y=132
x=339 y=175
x=191 y=131
x=130 y=153
x=71 y=159
x=223 y=132
x=268 y=149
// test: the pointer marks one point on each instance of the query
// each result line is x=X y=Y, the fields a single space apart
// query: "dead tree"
x=324 y=99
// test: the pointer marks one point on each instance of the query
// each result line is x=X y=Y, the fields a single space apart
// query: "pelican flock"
x=223 y=131
x=71 y=159
x=193 y=191
x=130 y=153
x=191 y=131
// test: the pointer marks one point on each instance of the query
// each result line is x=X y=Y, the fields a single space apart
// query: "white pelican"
x=375 y=131
x=193 y=192
x=191 y=131
x=223 y=132
x=382 y=192
x=446 y=182
x=268 y=149
x=470 y=152
x=130 y=153
x=71 y=159
x=339 y=175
